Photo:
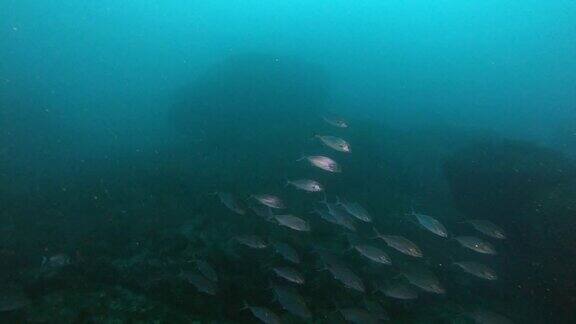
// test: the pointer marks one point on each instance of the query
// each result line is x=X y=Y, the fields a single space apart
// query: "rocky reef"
x=531 y=191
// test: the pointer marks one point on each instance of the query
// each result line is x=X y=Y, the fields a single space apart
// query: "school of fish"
x=380 y=248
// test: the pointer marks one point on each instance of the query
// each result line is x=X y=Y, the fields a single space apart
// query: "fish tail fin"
x=245 y=305
x=270 y=218
x=313 y=249
x=427 y=261
x=349 y=237
x=461 y=310
x=193 y=258
x=324 y=199
x=452 y=260
x=320 y=264
x=265 y=266
x=350 y=240
x=301 y=158
x=375 y=287
x=337 y=306
x=411 y=212
x=235 y=254
x=322 y=267
x=287 y=183
x=376 y=233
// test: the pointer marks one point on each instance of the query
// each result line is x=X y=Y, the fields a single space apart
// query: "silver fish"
x=358 y=316
x=261 y=210
x=400 y=291
x=207 y=270
x=431 y=224
x=289 y=274
x=488 y=228
x=287 y=252
x=55 y=261
x=200 y=282
x=401 y=244
x=482 y=316
x=335 y=121
x=334 y=142
x=356 y=210
x=264 y=314
x=306 y=185
x=230 y=201
x=323 y=162
x=476 y=244
x=345 y=275
x=424 y=280
x=291 y=301
x=373 y=253
x=344 y=220
x=340 y=215
x=293 y=222
x=325 y=215
x=252 y=241
x=270 y=201
x=477 y=269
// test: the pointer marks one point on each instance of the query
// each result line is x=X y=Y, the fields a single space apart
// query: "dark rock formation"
x=531 y=192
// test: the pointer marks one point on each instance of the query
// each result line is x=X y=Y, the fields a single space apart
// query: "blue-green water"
x=123 y=124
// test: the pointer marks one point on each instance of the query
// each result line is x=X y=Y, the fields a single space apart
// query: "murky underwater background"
x=137 y=140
